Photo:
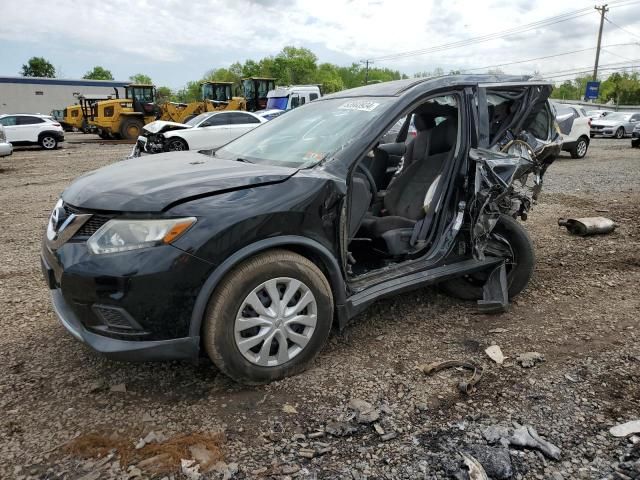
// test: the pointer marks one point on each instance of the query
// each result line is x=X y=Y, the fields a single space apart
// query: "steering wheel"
x=372 y=183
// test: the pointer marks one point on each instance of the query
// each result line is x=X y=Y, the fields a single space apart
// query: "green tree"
x=98 y=73
x=164 y=94
x=329 y=78
x=141 y=78
x=295 y=66
x=38 y=67
x=190 y=93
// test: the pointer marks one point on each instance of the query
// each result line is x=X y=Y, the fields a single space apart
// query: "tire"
x=175 y=144
x=48 y=142
x=519 y=271
x=580 y=148
x=131 y=128
x=105 y=135
x=619 y=133
x=277 y=268
x=635 y=143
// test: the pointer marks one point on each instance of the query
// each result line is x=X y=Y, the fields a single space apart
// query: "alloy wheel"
x=49 y=143
x=581 y=148
x=275 y=321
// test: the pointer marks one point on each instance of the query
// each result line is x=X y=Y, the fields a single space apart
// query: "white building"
x=42 y=95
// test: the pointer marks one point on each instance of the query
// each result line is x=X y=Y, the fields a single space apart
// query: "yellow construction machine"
x=125 y=117
x=255 y=90
x=72 y=118
x=215 y=96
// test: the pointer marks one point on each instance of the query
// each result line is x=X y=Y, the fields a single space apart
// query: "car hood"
x=155 y=183
x=160 y=126
x=603 y=122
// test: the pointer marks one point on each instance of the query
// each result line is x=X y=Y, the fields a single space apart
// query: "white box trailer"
x=43 y=95
x=286 y=98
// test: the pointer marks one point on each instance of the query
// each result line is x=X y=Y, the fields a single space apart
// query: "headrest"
x=423 y=121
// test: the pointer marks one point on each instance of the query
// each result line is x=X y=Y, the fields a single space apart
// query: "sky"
x=176 y=41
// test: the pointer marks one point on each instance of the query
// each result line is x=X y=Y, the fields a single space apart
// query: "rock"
x=97 y=386
x=307 y=452
x=388 y=436
x=146 y=417
x=529 y=359
x=259 y=471
x=496 y=461
x=495 y=433
x=290 y=469
x=495 y=354
x=190 y=469
x=134 y=472
x=153 y=437
x=286 y=408
x=141 y=443
x=365 y=413
x=313 y=435
x=155 y=461
x=119 y=387
x=625 y=429
x=498 y=330
x=379 y=430
x=340 y=429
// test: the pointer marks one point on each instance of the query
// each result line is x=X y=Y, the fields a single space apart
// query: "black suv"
x=254 y=251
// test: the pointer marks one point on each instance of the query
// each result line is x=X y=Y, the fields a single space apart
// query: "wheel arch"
x=308 y=248
x=52 y=133
x=168 y=138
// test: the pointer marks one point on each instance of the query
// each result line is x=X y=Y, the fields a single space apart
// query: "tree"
x=141 y=78
x=98 y=73
x=38 y=67
x=329 y=78
x=295 y=66
x=164 y=94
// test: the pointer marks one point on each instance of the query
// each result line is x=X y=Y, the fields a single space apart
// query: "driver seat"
x=412 y=195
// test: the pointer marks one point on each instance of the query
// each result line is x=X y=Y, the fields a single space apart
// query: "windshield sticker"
x=361 y=105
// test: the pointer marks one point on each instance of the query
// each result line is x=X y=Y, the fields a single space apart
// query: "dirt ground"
x=67 y=412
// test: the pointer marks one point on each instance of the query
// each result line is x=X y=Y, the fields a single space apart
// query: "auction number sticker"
x=362 y=105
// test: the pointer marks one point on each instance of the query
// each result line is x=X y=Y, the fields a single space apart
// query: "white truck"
x=286 y=98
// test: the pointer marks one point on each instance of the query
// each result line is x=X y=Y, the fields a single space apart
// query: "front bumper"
x=5 y=149
x=605 y=132
x=186 y=348
x=130 y=306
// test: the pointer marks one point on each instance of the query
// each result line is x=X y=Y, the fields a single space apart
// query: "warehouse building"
x=42 y=95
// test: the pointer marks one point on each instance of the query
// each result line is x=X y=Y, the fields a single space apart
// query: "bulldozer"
x=125 y=117
x=215 y=96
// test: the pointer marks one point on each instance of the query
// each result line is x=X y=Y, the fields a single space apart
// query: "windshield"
x=219 y=92
x=196 y=120
x=307 y=135
x=279 y=103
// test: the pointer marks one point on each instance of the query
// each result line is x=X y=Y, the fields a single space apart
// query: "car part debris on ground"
x=465 y=386
x=626 y=429
x=588 y=226
x=476 y=472
x=495 y=353
x=529 y=359
x=524 y=436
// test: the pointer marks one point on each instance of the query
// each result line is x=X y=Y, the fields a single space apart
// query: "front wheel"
x=48 y=142
x=510 y=240
x=620 y=133
x=131 y=128
x=269 y=318
x=580 y=149
x=176 y=145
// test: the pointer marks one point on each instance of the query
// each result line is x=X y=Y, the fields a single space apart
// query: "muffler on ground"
x=588 y=226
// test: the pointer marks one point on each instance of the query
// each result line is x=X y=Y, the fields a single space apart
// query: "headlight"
x=124 y=235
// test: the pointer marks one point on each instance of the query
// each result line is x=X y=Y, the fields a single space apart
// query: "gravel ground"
x=69 y=413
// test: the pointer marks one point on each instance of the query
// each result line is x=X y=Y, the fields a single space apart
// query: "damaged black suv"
x=253 y=252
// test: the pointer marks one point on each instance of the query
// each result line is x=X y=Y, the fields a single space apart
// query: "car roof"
x=398 y=87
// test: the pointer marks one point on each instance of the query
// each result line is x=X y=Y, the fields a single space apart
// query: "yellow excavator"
x=215 y=96
x=125 y=117
x=255 y=91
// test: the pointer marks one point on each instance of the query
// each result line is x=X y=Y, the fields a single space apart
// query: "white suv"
x=575 y=126
x=29 y=129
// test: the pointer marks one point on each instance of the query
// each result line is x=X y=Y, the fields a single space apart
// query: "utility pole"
x=602 y=9
x=366 y=70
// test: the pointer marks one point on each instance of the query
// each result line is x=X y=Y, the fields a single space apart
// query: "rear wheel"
x=510 y=240
x=580 y=149
x=269 y=317
x=131 y=128
x=620 y=132
x=176 y=145
x=48 y=142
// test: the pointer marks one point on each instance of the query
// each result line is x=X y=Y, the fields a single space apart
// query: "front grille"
x=91 y=226
x=113 y=317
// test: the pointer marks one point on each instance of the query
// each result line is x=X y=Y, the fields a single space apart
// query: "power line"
x=623 y=29
x=484 y=38
x=566 y=73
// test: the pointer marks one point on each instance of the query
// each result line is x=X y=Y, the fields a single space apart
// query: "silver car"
x=5 y=147
x=616 y=124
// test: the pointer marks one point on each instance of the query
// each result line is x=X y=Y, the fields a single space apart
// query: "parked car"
x=616 y=124
x=203 y=132
x=596 y=114
x=30 y=129
x=5 y=147
x=635 y=136
x=252 y=253
x=575 y=127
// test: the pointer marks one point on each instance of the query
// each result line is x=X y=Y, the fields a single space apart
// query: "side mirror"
x=397 y=149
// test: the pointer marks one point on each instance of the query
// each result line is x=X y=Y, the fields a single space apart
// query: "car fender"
x=330 y=263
